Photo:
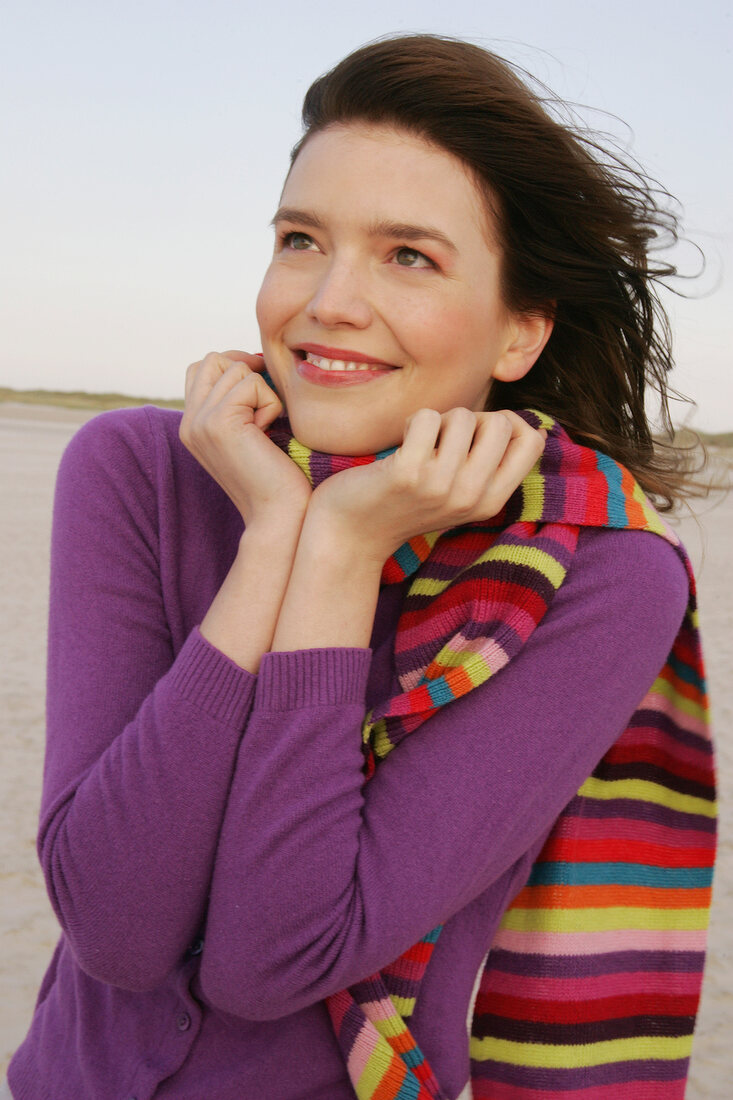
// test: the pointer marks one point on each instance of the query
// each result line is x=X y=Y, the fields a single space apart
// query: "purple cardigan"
x=214 y=861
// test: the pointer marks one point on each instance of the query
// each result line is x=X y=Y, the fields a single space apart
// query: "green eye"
x=300 y=242
x=410 y=257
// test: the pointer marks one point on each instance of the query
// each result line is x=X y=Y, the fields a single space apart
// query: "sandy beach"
x=32 y=439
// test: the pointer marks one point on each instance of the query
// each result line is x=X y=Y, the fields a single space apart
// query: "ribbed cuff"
x=207 y=677
x=312 y=677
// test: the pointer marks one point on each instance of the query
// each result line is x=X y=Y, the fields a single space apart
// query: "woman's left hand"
x=451 y=468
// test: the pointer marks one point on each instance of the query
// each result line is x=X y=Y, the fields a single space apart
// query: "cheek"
x=271 y=306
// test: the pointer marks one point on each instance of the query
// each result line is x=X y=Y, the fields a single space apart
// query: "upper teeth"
x=337 y=364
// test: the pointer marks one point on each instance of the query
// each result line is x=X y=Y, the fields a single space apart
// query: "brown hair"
x=575 y=223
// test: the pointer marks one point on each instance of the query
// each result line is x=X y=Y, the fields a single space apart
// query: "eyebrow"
x=403 y=231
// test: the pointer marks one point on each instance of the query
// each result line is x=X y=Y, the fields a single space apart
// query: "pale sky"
x=144 y=144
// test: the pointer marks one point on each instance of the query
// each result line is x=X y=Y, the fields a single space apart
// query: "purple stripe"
x=557 y=1080
x=581 y=966
x=582 y=1032
x=658 y=719
x=401 y=987
x=351 y=1026
x=653 y=773
x=635 y=810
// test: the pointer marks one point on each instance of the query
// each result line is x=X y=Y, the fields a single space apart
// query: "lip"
x=333 y=379
x=342 y=353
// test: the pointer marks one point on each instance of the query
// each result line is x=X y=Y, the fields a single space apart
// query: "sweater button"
x=183 y=1021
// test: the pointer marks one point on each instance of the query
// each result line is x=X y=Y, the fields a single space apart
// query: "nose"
x=340 y=296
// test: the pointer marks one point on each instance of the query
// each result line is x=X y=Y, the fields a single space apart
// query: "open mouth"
x=341 y=366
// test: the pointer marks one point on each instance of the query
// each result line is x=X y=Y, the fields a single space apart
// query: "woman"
x=246 y=620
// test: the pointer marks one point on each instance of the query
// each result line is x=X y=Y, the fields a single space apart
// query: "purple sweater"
x=215 y=863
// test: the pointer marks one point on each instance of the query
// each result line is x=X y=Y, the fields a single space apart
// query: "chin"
x=336 y=439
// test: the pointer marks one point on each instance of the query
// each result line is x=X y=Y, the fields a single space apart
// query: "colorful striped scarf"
x=591 y=987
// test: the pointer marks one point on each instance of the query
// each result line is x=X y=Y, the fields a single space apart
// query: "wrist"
x=329 y=535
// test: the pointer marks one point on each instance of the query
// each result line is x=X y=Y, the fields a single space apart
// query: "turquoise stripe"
x=615 y=504
x=409 y=1089
x=439 y=691
x=412 y=1058
x=685 y=672
x=407 y=559
x=432 y=937
x=621 y=874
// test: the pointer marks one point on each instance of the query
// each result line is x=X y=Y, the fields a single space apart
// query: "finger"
x=421 y=435
x=490 y=440
x=242 y=389
x=522 y=452
x=457 y=430
x=254 y=362
x=202 y=376
x=215 y=377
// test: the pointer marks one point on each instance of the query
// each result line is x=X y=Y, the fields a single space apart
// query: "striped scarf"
x=591 y=987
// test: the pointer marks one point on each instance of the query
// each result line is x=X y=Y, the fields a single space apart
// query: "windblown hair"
x=575 y=223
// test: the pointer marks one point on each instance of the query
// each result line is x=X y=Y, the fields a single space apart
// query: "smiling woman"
x=353 y=263
x=376 y=702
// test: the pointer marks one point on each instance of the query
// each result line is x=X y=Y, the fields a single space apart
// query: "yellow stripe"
x=531 y=556
x=473 y=663
x=404 y=1005
x=300 y=455
x=528 y=555
x=424 y=586
x=375 y=1069
x=381 y=742
x=643 y=791
x=607 y=919
x=561 y=1056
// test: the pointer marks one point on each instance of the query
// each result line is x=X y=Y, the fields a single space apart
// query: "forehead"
x=385 y=171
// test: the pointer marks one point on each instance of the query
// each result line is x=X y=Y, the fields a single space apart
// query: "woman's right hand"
x=228 y=407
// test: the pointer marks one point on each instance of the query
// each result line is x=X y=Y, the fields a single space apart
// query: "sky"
x=145 y=145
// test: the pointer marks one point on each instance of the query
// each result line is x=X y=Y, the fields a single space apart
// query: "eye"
x=410 y=257
x=297 y=242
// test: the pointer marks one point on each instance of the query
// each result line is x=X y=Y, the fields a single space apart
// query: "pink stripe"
x=594 y=987
x=655 y=738
x=607 y=828
x=562 y=534
x=379 y=1010
x=362 y=1051
x=596 y=943
x=657 y=701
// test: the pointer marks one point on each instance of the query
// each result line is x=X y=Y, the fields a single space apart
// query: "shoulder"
x=633 y=582
x=128 y=448
x=126 y=465
x=135 y=432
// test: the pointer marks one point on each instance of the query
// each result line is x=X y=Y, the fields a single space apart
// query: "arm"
x=342 y=878
x=141 y=746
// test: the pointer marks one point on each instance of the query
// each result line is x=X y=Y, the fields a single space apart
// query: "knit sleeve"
x=331 y=880
x=141 y=743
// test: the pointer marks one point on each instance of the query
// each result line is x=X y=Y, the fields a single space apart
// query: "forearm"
x=253 y=592
x=320 y=880
x=127 y=847
x=332 y=592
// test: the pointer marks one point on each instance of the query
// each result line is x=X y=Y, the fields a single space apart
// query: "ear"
x=528 y=334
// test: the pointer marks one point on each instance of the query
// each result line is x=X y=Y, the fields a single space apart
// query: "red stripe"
x=571 y=850
x=593 y=1010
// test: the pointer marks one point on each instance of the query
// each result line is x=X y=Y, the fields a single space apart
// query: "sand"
x=32 y=439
